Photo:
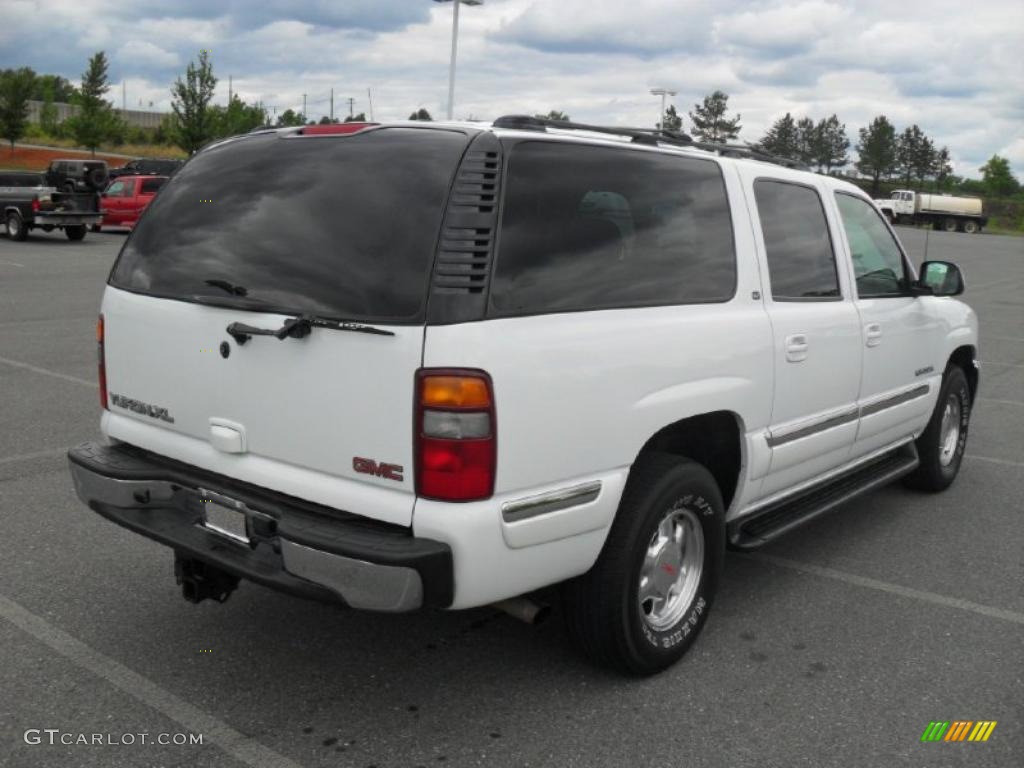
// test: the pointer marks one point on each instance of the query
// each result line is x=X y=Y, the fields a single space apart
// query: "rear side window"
x=596 y=228
x=343 y=227
x=150 y=186
x=877 y=260
x=801 y=263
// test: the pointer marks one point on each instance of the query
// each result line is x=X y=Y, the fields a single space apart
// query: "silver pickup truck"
x=29 y=204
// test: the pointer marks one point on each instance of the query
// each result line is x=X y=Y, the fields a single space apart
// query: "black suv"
x=147 y=167
x=77 y=175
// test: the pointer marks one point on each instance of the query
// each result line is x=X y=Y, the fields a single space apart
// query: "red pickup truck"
x=126 y=198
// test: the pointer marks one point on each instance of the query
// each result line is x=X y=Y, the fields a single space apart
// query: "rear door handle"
x=873 y=334
x=796 y=347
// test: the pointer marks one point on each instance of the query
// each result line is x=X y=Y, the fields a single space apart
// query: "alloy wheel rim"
x=671 y=570
x=949 y=431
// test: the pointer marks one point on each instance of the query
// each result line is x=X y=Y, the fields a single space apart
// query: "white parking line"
x=1001 y=402
x=238 y=745
x=52 y=453
x=892 y=589
x=47 y=372
x=1004 y=462
x=12 y=264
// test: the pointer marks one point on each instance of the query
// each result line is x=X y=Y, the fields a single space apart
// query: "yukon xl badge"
x=137 y=406
x=371 y=467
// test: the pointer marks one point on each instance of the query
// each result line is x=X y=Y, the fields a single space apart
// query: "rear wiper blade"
x=300 y=327
x=234 y=290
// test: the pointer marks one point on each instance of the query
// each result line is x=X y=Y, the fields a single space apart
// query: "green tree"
x=997 y=178
x=420 y=114
x=554 y=114
x=673 y=120
x=876 y=151
x=359 y=117
x=95 y=120
x=195 y=121
x=325 y=120
x=236 y=118
x=942 y=170
x=291 y=118
x=830 y=144
x=58 y=88
x=915 y=155
x=807 y=140
x=710 y=120
x=15 y=90
x=782 y=138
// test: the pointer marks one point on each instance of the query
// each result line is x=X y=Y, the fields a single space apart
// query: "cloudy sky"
x=955 y=68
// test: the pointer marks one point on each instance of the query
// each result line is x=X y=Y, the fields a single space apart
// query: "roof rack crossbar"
x=651 y=136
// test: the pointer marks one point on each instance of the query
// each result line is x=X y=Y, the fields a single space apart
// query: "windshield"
x=342 y=227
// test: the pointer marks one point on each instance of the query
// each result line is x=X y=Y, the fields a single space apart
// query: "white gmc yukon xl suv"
x=427 y=364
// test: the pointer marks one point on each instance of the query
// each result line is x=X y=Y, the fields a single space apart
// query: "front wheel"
x=76 y=232
x=648 y=596
x=941 y=446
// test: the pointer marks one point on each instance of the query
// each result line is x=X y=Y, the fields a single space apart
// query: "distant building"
x=136 y=118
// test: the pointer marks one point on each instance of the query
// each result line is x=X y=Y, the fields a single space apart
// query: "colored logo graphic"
x=958 y=730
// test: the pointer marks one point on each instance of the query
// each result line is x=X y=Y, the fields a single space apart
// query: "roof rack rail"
x=649 y=136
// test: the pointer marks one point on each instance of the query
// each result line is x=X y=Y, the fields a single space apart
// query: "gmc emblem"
x=371 y=467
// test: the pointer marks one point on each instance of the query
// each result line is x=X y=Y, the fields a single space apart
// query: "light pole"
x=455 y=44
x=663 y=92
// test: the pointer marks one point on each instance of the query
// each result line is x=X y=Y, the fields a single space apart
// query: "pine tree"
x=942 y=168
x=876 y=151
x=195 y=120
x=420 y=114
x=914 y=155
x=673 y=120
x=710 y=122
x=95 y=120
x=806 y=140
x=782 y=138
x=830 y=144
x=15 y=90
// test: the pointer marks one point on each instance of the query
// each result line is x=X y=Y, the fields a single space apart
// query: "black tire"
x=95 y=228
x=971 y=227
x=76 y=232
x=938 y=470
x=96 y=178
x=69 y=186
x=605 y=618
x=15 y=226
x=950 y=225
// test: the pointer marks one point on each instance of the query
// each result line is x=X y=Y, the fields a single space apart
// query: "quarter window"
x=801 y=263
x=878 y=263
x=587 y=227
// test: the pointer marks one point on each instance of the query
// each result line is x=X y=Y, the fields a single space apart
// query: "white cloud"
x=145 y=54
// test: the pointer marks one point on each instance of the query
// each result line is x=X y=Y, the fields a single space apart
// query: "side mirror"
x=942 y=278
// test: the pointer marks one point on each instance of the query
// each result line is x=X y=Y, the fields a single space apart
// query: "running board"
x=784 y=515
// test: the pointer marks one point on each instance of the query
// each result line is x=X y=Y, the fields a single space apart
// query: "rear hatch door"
x=252 y=234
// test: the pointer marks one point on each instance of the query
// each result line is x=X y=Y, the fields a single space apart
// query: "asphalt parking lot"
x=834 y=647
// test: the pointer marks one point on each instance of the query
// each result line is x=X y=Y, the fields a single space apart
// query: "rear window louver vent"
x=467 y=241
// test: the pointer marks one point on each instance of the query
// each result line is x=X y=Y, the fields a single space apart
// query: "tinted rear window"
x=801 y=263
x=149 y=186
x=588 y=227
x=339 y=226
x=21 y=180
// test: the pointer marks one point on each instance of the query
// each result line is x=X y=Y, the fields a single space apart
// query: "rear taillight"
x=35 y=205
x=455 y=434
x=102 y=362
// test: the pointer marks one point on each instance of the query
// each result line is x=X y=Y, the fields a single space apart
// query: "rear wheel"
x=647 y=598
x=95 y=227
x=941 y=446
x=949 y=225
x=971 y=226
x=15 y=226
x=76 y=232
x=69 y=186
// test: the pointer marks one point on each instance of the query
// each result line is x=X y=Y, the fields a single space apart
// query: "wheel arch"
x=713 y=439
x=964 y=357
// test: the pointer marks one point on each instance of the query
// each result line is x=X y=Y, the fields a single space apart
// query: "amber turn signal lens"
x=455 y=392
